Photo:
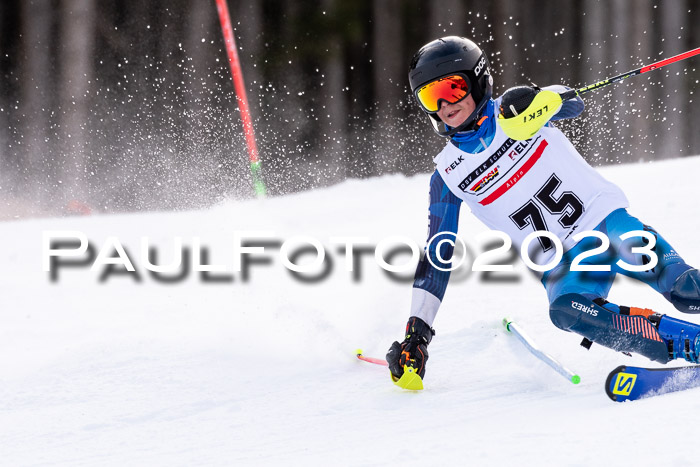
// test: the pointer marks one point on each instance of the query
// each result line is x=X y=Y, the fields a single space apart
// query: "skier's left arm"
x=430 y=283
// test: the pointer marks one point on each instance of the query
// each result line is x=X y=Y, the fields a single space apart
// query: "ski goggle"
x=451 y=89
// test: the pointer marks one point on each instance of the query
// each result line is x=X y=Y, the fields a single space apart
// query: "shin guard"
x=624 y=333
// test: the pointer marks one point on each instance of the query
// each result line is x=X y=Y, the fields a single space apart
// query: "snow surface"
x=264 y=372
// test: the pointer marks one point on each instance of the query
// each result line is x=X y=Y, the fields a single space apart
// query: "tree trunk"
x=672 y=86
x=597 y=119
x=4 y=111
x=640 y=97
x=389 y=76
x=334 y=127
x=620 y=61
x=199 y=27
x=75 y=60
x=503 y=57
x=35 y=102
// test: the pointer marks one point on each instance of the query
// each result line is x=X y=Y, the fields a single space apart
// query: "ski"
x=628 y=383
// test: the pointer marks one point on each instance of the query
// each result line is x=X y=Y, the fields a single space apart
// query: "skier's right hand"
x=413 y=351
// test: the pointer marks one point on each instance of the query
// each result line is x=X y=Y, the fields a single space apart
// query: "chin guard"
x=525 y=124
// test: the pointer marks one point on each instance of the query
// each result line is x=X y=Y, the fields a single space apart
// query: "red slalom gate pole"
x=239 y=85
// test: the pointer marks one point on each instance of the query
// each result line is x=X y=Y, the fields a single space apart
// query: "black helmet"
x=450 y=55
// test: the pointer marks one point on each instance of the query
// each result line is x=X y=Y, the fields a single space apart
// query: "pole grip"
x=565 y=96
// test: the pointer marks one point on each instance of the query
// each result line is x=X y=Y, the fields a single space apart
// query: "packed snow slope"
x=262 y=371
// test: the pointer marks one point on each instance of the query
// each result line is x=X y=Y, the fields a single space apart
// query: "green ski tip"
x=506 y=323
x=576 y=379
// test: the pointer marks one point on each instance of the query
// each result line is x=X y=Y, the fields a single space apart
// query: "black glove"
x=413 y=351
x=517 y=99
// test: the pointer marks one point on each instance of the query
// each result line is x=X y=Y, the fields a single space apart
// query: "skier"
x=538 y=184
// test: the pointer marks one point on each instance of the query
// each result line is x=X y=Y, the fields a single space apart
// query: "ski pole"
x=546 y=103
x=616 y=79
x=545 y=357
x=376 y=361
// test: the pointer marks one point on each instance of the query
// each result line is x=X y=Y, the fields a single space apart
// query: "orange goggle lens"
x=451 y=89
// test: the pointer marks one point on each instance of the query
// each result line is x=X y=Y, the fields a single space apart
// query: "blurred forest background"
x=125 y=106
